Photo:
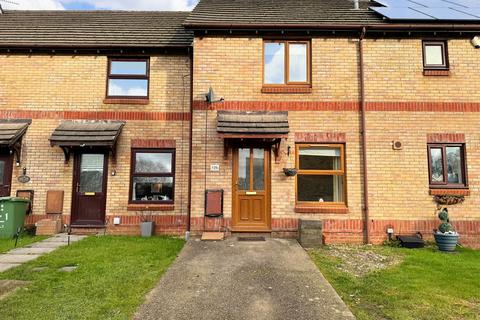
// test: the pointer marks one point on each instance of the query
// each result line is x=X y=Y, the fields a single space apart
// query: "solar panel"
x=440 y=10
x=447 y=14
x=401 y=13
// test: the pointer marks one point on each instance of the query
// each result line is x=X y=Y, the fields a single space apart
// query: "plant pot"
x=147 y=228
x=290 y=172
x=446 y=241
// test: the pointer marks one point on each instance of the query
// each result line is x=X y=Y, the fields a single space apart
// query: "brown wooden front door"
x=251 y=190
x=89 y=189
x=6 y=165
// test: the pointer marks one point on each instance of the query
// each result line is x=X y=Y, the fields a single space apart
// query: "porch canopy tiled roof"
x=233 y=124
x=11 y=131
x=81 y=134
x=94 y=29
x=273 y=13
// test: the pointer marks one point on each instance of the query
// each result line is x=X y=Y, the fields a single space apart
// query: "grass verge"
x=425 y=284
x=9 y=244
x=113 y=276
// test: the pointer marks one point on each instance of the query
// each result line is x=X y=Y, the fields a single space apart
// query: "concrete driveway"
x=231 y=279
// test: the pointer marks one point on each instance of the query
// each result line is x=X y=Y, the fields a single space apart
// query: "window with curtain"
x=447 y=165
x=152 y=176
x=435 y=55
x=321 y=174
x=286 y=63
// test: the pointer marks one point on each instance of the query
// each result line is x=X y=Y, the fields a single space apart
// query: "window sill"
x=125 y=101
x=450 y=192
x=321 y=209
x=151 y=207
x=287 y=89
x=438 y=73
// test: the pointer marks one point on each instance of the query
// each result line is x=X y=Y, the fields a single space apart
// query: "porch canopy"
x=11 y=133
x=86 y=134
x=265 y=127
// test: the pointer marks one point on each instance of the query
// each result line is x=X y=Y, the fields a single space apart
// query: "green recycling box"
x=12 y=215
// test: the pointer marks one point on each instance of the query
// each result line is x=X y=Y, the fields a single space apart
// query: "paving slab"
x=42 y=244
x=8 y=266
x=17 y=258
x=236 y=280
x=27 y=250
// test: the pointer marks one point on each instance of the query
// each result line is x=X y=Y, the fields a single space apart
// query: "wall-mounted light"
x=114 y=173
x=476 y=42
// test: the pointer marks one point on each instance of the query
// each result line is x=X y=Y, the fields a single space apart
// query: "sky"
x=98 y=4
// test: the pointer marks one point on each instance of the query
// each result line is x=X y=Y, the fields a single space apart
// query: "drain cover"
x=251 y=238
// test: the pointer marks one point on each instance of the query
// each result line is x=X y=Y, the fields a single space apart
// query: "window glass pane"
x=152 y=189
x=437 y=164
x=2 y=171
x=153 y=162
x=274 y=63
x=319 y=188
x=91 y=173
x=454 y=163
x=128 y=68
x=243 y=169
x=127 y=88
x=258 y=169
x=320 y=158
x=297 y=62
x=434 y=55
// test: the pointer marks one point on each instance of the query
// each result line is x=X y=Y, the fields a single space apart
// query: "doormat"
x=251 y=238
x=7 y=287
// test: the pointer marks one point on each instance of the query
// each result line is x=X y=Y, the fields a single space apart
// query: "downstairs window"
x=152 y=176
x=321 y=174
x=447 y=165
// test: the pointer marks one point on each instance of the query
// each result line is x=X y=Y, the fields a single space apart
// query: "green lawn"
x=422 y=284
x=113 y=276
x=9 y=244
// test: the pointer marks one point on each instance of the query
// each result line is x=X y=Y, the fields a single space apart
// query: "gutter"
x=375 y=26
x=190 y=152
x=363 y=132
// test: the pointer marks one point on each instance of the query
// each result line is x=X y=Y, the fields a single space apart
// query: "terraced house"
x=247 y=116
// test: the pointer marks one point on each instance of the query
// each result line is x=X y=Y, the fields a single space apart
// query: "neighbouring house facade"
x=339 y=116
x=106 y=96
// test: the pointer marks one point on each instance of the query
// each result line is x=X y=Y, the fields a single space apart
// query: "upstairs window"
x=286 y=63
x=447 y=165
x=435 y=55
x=321 y=174
x=153 y=176
x=128 y=78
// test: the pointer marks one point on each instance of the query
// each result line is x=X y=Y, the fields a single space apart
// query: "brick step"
x=84 y=231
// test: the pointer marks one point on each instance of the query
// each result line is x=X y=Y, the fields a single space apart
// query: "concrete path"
x=16 y=257
x=231 y=279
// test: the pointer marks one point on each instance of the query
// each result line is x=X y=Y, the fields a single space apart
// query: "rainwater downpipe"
x=363 y=132
x=190 y=151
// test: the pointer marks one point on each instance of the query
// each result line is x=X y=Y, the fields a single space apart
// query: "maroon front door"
x=6 y=164
x=89 y=189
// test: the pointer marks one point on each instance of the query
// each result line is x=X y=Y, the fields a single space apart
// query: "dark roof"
x=81 y=133
x=105 y=29
x=284 y=12
x=234 y=123
x=12 y=131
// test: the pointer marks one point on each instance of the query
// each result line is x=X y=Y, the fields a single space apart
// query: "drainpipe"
x=363 y=132
x=190 y=152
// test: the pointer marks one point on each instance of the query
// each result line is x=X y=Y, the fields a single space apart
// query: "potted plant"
x=446 y=237
x=147 y=226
